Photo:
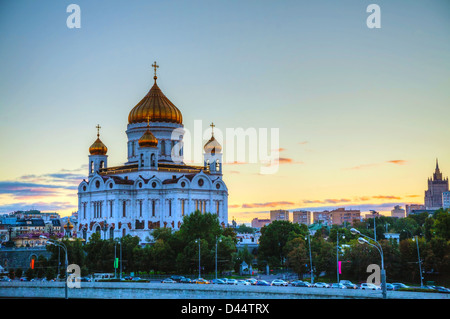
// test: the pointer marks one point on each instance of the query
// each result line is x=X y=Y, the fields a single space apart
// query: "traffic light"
x=32 y=263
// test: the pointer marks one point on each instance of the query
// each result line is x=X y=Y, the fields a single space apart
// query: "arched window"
x=163 y=147
x=217 y=165
x=91 y=170
x=111 y=233
x=102 y=164
x=153 y=160
x=142 y=159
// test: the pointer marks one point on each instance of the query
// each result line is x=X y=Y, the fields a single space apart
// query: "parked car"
x=5 y=278
x=136 y=278
x=224 y=279
x=390 y=287
x=218 y=282
x=243 y=282
x=23 y=279
x=252 y=281
x=262 y=283
x=321 y=285
x=398 y=285
x=168 y=281
x=348 y=284
x=292 y=283
x=301 y=284
x=176 y=278
x=201 y=281
x=338 y=286
x=279 y=282
x=231 y=282
x=185 y=280
x=85 y=279
x=369 y=286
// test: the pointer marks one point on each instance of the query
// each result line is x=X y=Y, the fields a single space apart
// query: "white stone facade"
x=142 y=195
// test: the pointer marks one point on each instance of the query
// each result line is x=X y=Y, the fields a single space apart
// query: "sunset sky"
x=362 y=113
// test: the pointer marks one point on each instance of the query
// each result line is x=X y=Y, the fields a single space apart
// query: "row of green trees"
x=284 y=244
x=171 y=252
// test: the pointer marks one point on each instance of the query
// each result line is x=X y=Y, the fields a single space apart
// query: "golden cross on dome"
x=148 y=120
x=212 y=128
x=98 y=130
x=155 y=66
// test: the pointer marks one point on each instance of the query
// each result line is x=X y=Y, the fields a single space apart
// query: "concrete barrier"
x=130 y=290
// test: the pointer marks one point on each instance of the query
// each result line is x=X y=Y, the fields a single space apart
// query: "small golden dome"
x=68 y=225
x=98 y=148
x=212 y=146
x=156 y=106
x=148 y=139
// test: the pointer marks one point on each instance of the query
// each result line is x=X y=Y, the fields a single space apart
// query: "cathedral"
x=154 y=188
x=436 y=186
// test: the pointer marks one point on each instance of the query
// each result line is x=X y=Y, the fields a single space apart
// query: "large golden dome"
x=156 y=106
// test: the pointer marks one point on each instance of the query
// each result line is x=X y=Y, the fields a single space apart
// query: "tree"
x=274 y=237
x=298 y=255
x=442 y=224
x=245 y=229
x=241 y=256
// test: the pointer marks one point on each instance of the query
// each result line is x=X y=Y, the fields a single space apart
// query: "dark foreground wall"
x=118 y=290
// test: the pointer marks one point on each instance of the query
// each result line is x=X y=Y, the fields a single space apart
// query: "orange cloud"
x=386 y=197
x=398 y=162
x=268 y=204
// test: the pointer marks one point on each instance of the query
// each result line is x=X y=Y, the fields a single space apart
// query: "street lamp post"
x=199 y=273
x=337 y=254
x=380 y=250
x=120 y=242
x=105 y=228
x=63 y=246
x=420 y=262
x=217 y=240
x=310 y=258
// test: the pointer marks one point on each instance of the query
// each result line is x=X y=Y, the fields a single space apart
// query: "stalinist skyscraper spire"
x=436 y=186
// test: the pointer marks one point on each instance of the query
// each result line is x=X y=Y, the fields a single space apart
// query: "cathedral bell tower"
x=98 y=158
x=212 y=157
x=148 y=150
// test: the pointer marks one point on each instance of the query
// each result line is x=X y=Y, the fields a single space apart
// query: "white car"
x=243 y=282
x=339 y=286
x=321 y=285
x=369 y=286
x=232 y=282
x=279 y=282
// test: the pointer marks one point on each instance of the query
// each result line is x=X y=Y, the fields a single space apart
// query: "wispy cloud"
x=398 y=162
x=386 y=197
x=327 y=201
x=364 y=166
x=268 y=204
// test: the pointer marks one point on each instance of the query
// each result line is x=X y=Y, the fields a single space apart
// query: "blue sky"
x=354 y=96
